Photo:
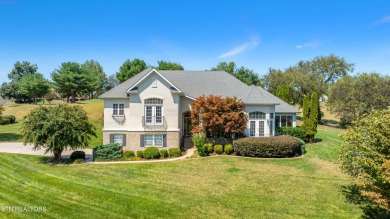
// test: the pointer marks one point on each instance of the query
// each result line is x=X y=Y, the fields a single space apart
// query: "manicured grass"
x=214 y=187
x=12 y=133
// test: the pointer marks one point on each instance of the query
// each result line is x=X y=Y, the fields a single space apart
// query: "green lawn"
x=214 y=187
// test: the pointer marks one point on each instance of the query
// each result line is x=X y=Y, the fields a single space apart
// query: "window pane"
x=289 y=121
x=118 y=139
x=153 y=101
x=261 y=128
x=257 y=115
x=284 y=121
x=121 y=109
x=277 y=121
x=115 y=109
x=252 y=127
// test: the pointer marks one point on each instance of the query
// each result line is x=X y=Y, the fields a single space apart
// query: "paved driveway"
x=19 y=148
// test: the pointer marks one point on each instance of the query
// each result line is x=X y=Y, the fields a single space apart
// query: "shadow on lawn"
x=370 y=210
x=9 y=136
x=317 y=140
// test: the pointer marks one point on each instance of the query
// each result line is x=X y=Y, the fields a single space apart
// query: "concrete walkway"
x=19 y=148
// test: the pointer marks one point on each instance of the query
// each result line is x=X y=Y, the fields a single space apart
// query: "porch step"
x=188 y=143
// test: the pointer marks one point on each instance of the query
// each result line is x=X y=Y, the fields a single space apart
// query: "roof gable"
x=152 y=71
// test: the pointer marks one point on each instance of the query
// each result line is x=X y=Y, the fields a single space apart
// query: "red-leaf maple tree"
x=217 y=116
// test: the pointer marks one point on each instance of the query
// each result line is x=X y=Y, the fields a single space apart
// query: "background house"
x=153 y=107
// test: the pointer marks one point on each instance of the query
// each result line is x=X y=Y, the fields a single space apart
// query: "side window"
x=115 y=109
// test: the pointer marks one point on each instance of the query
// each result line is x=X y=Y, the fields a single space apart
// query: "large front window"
x=153 y=111
x=153 y=140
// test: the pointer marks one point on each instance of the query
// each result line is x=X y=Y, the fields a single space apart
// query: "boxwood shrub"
x=151 y=153
x=275 y=146
x=174 y=152
x=208 y=148
x=77 y=155
x=228 y=149
x=218 y=148
x=163 y=153
x=5 y=120
x=140 y=154
x=108 y=152
x=127 y=154
x=297 y=132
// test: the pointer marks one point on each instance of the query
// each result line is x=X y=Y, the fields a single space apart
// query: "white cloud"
x=385 y=19
x=254 y=41
x=308 y=45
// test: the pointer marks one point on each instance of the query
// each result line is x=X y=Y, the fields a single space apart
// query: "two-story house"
x=153 y=107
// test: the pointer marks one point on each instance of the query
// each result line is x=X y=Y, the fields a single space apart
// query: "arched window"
x=153 y=101
x=257 y=115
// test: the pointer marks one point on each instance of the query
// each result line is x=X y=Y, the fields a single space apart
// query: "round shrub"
x=208 y=148
x=297 y=132
x=218 y=148
x=77 y=155
x=5 y=120
x=128 y=154
x=164 y=153
x=78 y=161
x=228 y=149
x=302 y=145
x=151 y=153
x=276 y=146
x=174 y=152
x=140 y=154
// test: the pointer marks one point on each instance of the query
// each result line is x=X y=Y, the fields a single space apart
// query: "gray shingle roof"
x=198 y=83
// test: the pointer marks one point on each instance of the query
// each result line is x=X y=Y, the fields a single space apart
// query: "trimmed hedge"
x=151 y=153
x=77 y=155
x=208 y=148
x=128 y=154
x=108 y=152
x=5 y=120
x=276 y=146
x=302 y=145
x=140 y=154
x=297 y=132
x=228 y=149
x=164 y=153
x=174 y=152
x=218 y=149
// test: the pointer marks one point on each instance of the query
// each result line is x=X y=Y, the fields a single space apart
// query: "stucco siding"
x=265 y=109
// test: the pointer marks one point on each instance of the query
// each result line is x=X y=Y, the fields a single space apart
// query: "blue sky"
x=197 y=34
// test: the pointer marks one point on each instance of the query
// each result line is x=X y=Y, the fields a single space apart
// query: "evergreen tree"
x=310 y=116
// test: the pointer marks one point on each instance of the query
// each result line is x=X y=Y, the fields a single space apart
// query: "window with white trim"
x=153 y=140
x=118 y=109
x=257 y=115
x=118 y=139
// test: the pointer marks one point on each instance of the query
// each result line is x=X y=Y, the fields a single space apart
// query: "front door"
x=256 y=128
x=153 y=115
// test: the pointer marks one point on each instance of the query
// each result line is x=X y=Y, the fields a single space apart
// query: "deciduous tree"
x=353 y=96
x=217 y=116
x=165 y=65
x=57 y=128
x=365 y=155
x=33 y=86
x=245 y=75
